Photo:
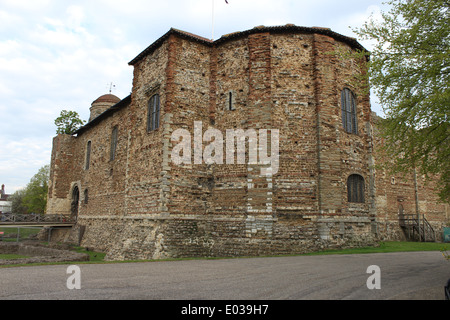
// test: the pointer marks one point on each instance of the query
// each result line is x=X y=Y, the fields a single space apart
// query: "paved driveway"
x=418 y=275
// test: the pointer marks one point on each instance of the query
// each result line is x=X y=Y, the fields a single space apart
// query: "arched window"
x=88 y=155
x=348 y=106
x=112 y=154
x=153 y=113
x=355 y=188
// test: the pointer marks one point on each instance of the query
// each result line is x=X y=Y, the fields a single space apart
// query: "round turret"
x=102 y=104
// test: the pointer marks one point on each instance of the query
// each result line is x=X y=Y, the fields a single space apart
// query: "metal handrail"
x=36 y=218
x=418 y=223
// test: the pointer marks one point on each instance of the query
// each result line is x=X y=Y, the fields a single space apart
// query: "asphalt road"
x=405 y=276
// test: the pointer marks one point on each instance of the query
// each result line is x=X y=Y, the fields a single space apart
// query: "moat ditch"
x=35 y=252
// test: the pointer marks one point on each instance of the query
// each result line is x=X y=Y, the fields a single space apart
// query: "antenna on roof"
x=212 y=35
x=111 y=86
x=213 y=11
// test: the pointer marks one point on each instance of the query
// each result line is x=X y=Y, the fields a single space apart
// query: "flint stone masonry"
x=141 y=205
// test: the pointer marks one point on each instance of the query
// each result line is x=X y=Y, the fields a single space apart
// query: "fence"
x=20 y=227
x=17 y=234
x=9 y=218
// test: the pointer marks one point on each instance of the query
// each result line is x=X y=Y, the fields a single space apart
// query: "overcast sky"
x=57 y=55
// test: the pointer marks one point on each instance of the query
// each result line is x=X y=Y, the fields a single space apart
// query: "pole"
x=416 y=198
x=212 y=36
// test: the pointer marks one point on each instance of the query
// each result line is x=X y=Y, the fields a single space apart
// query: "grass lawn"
x=10 y=234
x=94 y=257
x=392 y=246
x=11 y=256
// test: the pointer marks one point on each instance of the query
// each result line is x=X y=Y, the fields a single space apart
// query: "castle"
x=117 y=174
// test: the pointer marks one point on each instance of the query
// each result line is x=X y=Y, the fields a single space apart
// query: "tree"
x=409 y=71
x=35 y=194
x=68 y=122
x=16 y=199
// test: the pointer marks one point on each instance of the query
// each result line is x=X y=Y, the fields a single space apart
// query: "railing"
x=419 y=226
x=35 y=218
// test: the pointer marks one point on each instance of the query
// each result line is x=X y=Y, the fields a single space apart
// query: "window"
x=153 y=113
x=88 y=155
x=355 y=188
x=230 y=101
x=348 y=105
x=86 y=196
x=112 y=154
x=75 y=200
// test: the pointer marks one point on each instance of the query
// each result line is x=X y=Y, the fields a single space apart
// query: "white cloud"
x=9 y=20
x=75 y=17
x=357 y=19
x=26 y=5
x=21 y=159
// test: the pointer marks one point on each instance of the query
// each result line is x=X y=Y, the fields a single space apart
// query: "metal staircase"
x=417 y=228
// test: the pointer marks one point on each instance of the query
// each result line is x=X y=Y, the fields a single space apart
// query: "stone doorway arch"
x=75 y=202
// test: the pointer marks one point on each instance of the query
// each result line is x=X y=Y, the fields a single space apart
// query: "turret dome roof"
x=108 y=98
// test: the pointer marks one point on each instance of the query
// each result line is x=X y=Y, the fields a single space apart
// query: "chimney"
x=3 y=190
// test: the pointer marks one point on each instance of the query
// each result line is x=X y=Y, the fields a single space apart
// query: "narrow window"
x=230 y=101
x=74 y=203
x=153 y=113
x=86 y=196
x=88 y=155
x=355 y=188
x=348 y=106
x=112 y=154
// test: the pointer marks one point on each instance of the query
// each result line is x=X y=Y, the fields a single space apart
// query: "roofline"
x=110 y=111
x=228 y=37
x=275 y=29
x=293 y=28
x=161 y=40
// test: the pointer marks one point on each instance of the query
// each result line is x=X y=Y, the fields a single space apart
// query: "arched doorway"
x=75 y=202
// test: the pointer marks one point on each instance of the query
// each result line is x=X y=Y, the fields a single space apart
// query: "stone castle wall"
x=141 y=205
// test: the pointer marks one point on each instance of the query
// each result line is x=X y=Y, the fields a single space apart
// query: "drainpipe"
x=416 y=196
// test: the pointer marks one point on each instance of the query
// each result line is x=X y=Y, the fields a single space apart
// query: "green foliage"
x=409 y=70
x=445 y=254
x=17 y=206
x=12 y=256
x=390 y=246
x=68 y=122
x=93 y=255
x=34 y=196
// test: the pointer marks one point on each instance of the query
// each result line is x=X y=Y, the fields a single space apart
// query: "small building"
x=5 y=205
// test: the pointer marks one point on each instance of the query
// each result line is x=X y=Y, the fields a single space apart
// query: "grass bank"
x=391 y=246
x=11 y=256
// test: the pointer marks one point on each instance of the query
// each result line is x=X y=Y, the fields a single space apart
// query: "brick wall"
x=142 y=205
